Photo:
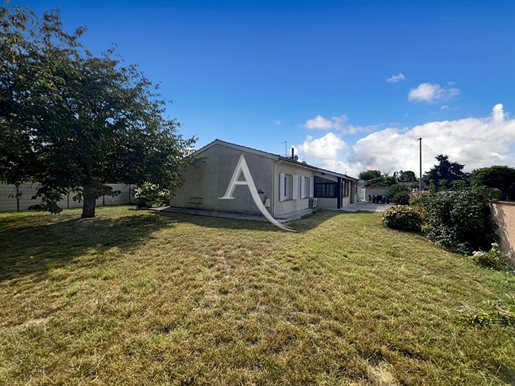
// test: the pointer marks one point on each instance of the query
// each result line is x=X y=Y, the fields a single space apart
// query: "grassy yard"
x=144 y=298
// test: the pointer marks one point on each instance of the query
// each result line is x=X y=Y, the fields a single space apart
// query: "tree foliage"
x=496 y=177
x=72 y=121
x=368 y=175
x=399 y=194
x=445 y=174
x=406 y=176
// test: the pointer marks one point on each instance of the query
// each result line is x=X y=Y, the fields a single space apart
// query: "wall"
x=209 y=181
x=8 y=204
x=290 y=206
x=375 y=192
x=504 y=214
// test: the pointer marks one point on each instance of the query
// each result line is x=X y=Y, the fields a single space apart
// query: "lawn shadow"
x=33 y=248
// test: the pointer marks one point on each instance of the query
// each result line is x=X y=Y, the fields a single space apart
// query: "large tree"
x=444 y=174
x=74 y=122
x=368 y=175
x=497 y=177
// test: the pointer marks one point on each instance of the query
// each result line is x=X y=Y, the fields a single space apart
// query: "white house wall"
x=293 y=204
x=205 y=184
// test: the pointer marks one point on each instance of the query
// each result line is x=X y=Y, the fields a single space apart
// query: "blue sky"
x=350 y=84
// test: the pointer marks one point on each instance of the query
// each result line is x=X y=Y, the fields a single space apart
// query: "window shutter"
x=311 y=187
x=295 y=191
x=282 y=187
x=303 y=187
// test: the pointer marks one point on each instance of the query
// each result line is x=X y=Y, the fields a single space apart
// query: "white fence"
x=9 y=203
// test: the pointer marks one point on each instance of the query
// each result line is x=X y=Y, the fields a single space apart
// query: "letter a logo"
x=242 y=167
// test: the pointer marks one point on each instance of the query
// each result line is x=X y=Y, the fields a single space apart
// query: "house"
x=234 y=178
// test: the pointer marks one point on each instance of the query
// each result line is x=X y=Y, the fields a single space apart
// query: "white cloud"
x=432 y=93
x=324 y=148
x=474 y=142
x=321 y=123
x=396 y=78
x=276 y=122
x=336 y=123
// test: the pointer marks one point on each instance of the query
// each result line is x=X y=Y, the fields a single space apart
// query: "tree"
x=496 y=177
x=445 y=173
x=74 y=122
x=406 y=176
x=368 y=175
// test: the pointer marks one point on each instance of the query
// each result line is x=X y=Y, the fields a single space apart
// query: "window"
x=326 y=188
x=288 y=187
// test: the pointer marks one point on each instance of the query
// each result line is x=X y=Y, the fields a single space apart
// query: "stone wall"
x=504 y=215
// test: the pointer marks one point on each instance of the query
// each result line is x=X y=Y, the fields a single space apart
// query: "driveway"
x=365 y=206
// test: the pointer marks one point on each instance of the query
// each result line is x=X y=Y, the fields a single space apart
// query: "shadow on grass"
x=34 y=244
x=31 y=245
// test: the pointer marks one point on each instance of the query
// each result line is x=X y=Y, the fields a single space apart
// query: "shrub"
x=460 y=220
x=399 y=194
x=151 y=193
x=402 y=217
x=493 y=259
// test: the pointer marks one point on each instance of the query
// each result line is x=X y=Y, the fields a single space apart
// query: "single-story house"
x=224 y=181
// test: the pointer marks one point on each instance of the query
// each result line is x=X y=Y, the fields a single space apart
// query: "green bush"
x=402 y=217
x=460 y=220
x=399 y=194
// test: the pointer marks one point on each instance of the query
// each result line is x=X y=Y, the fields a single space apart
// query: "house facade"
x=284 y=185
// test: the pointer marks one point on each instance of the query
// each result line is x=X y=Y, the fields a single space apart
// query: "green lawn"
x=145 y=298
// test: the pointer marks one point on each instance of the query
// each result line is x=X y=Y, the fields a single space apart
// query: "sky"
x=351 y=85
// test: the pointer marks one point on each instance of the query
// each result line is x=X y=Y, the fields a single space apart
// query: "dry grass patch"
x=143 y=298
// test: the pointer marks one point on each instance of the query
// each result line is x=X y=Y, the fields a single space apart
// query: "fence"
x=9 y=202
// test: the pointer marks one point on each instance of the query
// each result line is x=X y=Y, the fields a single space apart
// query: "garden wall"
x=504 y=214
x=9 y=203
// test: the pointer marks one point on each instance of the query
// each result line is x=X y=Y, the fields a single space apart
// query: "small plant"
x=402 y=217
x=493 y=259
x=501 y=312
x=147 y=194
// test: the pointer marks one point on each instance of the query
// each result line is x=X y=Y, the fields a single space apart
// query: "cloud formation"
x=336 y=123
x=432 y=93
x=474 y=142
x=320 y=123
x=325 y=148
x=396 y=78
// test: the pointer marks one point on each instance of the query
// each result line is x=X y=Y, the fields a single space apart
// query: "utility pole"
x=420 y=180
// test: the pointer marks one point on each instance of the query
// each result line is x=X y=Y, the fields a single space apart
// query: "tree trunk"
x=88 y=205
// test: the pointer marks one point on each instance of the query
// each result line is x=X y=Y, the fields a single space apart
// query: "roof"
x=271 y=156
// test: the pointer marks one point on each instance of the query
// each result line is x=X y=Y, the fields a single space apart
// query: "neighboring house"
x=284 y=185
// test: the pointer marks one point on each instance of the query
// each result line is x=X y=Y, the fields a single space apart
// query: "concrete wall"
x=504 y=214
x=8 y=201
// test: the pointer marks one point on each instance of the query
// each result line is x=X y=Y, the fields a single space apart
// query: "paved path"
x=365 y=206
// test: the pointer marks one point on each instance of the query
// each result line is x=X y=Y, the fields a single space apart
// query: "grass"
x=144 y=298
